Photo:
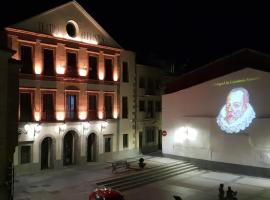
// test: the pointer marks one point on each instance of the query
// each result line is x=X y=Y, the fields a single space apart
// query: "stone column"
x=60 y=58
x=101 y=67
x=38 y=68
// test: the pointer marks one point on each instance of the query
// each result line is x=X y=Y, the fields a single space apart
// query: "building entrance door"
x=46 y=153
x=91 y=148
x=68 y=148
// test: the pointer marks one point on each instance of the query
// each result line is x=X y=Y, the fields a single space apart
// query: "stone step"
x=158 y=178
x=147 y=176
x=141 y=173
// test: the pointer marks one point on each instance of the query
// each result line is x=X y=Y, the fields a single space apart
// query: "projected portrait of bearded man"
x=237 y=114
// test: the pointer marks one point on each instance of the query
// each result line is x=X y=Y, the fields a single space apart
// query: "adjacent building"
x=149 y=88
x=9 y=90
x=218 y=115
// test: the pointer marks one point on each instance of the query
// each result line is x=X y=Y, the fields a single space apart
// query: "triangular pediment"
x=54 y=22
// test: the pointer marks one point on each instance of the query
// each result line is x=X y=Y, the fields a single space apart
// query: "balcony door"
x=71 y=106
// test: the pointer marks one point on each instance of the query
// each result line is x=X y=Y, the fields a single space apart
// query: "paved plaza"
x=75 y=183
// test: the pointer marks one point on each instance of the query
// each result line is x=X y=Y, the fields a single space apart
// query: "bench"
x=119 y=164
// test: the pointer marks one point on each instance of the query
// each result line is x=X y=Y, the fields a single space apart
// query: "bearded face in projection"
x=237 y=113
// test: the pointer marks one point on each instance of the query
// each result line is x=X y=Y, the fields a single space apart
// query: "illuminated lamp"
x=26 y=127
x=82 y=115
x=60 y=69
x=115 y=114
x=191 y=134
x=86 y=125
x=101 y=75
x=38 y=69
x=37 y=116
x=100 y=114
x=180 y=135
x=83 y=72
x=60 y=116
x=115 y=76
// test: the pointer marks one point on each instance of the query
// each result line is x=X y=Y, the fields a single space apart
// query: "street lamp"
x=37 y=129
x=62 y=127
x=85 y=126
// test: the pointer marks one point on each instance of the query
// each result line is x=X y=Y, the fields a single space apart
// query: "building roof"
x=244 y=58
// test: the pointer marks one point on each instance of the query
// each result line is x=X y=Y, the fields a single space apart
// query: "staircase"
x=148 y=176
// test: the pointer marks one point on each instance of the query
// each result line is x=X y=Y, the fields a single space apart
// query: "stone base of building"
x=32 y=168
x=225 y=167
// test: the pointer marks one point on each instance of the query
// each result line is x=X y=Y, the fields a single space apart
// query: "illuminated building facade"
x=218 y=115
x=77 y=91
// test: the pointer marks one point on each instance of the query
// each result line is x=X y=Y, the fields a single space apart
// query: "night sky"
x=186 y=34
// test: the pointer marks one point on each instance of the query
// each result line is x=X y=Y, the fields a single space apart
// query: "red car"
x=106 y=194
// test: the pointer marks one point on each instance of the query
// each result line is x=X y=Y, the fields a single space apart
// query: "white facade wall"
x=196 y=108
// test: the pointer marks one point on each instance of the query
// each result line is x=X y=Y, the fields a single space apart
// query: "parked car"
x=106 y=194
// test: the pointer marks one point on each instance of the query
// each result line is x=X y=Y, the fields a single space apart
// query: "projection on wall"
x=237 y=114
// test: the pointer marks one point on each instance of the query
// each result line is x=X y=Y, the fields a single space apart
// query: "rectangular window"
x=26 y=112
x=141 y=106
x=107 y=144
x=125 y=72
x=93 y=63
x=125 y=140
x=48 y=107
x=158 y=106
x=108 y=70
x=157 y=84
x=124 y=107
x=92 y=107
x=108 y=106
x=72 y=64
x=48 y=62
x=150 y=109
x=27 y=60
x=150 y=135
x=150 y=87
x=141 y=82
x=71 y=106
x=25 y=154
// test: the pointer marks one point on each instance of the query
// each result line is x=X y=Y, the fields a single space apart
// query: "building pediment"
x=69 y=21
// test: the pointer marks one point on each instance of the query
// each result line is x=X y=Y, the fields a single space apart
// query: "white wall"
x=197 y=108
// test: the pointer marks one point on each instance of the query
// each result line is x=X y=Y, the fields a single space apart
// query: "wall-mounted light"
x=100 y=114
x=37 y=129
x=37 y=116
x=38 y=69
x=27 y=127
x=185 y=133
x=102 y=125
x=60 y=116
x=82 y=115
x=83 y=72
x=101 y=75
x=62 y=127
x=60 y=69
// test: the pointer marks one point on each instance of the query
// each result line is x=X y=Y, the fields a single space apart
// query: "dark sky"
x=183 y=33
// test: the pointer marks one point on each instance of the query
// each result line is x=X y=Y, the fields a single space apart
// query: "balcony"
x=108 y=115
x=26 y=116
x=48 y=116
x=92 y=115
x=71 y=115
